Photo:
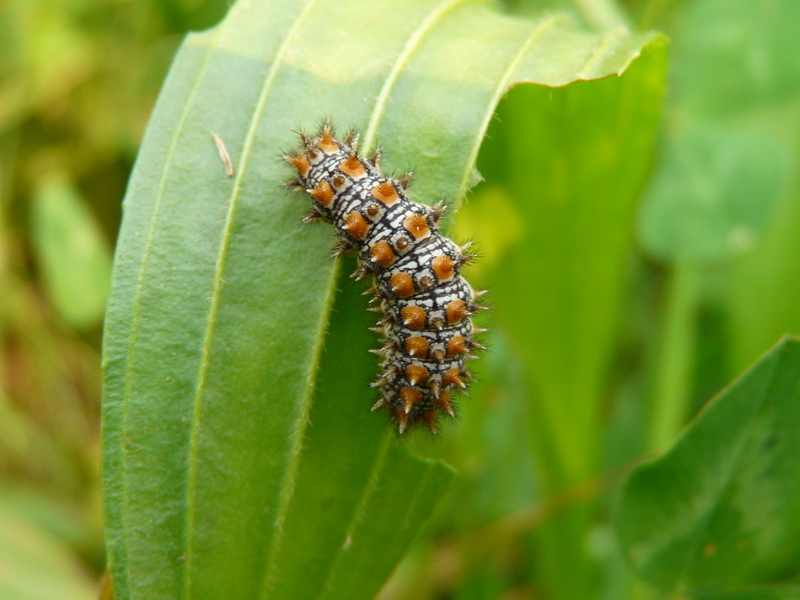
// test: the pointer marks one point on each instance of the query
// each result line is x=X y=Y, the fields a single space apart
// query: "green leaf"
x=240 y=456
x=35 y=565
x=73 y=257
x=720 y=507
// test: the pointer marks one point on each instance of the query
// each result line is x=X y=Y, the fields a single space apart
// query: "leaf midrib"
x=369 y=490
x=410 y=47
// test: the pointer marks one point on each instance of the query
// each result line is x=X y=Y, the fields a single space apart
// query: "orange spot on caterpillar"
x=453 y=377
x=416 y=374
x=443 y=267
x=417 y=346
x=382 y=254
x=326 y=142
x=410 y=397
x=456 y=345
x=355 y=225
x=352 y=166
x=444 y=404
x=386 y=193
x=416 y=225
x=300 y=162
x=413 y=317
x=402 y=284
x=455 y=311
x=323 y=193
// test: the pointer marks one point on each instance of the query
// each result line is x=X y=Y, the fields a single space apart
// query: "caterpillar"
x=425 y=302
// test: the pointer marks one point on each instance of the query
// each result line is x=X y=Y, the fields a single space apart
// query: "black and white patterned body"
x=418 y=284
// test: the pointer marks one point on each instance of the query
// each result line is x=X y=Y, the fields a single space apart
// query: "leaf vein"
x=598 y=53
x=500 y=90
x=369 y=489
x=134 y=330
x=214 y=307
x=410 y=47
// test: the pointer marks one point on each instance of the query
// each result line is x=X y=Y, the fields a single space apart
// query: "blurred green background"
x=78 y=79
x=712 y=280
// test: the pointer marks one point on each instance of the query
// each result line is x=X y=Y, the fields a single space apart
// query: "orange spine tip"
x=403 y=419
x=323 y=193
x=456 y=345
x=416 y=225
x=444 y=404
x=443 y=267
x=300 y=162
x=405 y=181
x=417 y=346
x=355 y=225
x=430 y=420
x=352 y=166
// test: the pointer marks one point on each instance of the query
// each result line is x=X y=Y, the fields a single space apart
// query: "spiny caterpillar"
x=425 y=302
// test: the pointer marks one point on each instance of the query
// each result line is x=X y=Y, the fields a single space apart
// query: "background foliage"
x=632 y=319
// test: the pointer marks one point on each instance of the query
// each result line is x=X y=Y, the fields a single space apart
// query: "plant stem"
x=602 y=14
x=673 y=377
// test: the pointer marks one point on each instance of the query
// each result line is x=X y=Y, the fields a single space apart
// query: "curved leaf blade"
x=720 y=507
x=236 y=432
